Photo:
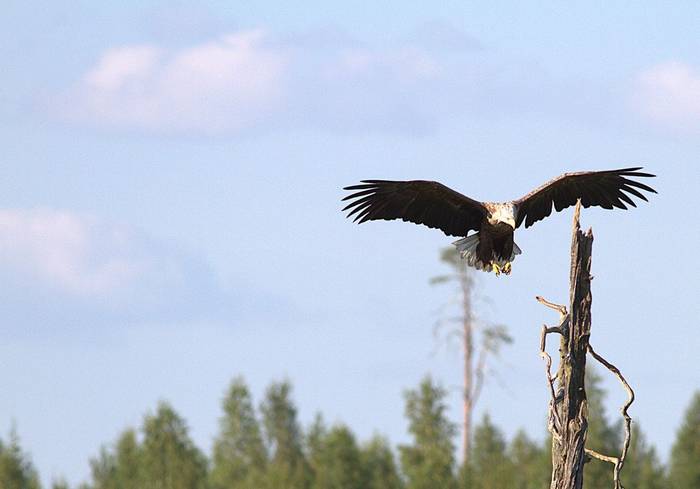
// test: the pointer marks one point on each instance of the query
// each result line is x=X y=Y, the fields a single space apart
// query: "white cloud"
x=230 y=83
x=118 y=67
x=60 y=267
x=250 y=80
x=254 y=81
x=669 y=94
x=60 y=249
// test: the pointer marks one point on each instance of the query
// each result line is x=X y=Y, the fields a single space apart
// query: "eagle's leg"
x=507 y=268
x=496 y=268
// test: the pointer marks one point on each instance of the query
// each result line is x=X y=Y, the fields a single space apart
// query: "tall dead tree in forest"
x=492 y=337
x=568 y=407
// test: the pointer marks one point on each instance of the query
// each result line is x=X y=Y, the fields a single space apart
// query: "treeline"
x=267 y=448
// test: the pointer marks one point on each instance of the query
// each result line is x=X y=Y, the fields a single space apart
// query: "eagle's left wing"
x=422 y=202
x=595 y=188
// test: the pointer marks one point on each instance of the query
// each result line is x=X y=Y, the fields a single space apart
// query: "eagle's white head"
x=502 y=212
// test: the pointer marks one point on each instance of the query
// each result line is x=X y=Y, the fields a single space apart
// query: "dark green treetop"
x=429 y=461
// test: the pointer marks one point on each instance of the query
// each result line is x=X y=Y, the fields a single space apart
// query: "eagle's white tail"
x=467 y=250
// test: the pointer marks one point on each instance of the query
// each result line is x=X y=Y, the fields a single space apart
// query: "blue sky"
x=170 y=215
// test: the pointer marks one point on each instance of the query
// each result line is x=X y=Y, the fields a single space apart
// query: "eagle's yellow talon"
x=496 y=268
x=507 y=268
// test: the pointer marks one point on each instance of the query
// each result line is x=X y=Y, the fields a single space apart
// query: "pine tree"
x=684 y=470
x=602 y=436
x=532 y=462
x=103 y=470
x=16 y=470
x=315 y=437
x=379 y=465
x=338 y=463
x=429 y=461
x=642 y=468
x=239 y=456
x=127 y=471
x=490 y=466
x=119 y=468
x=287 y=467
x=59 y=484
x=170 y=458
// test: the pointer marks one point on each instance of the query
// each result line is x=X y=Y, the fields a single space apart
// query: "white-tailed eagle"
x=491 y=247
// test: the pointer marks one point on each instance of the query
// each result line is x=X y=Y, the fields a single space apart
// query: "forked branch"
x=618 y=462
x=554 y=424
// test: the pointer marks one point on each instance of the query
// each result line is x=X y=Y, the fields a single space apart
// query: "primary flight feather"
x=491 y=246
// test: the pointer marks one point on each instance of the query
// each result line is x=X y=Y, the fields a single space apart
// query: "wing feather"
x=422 y=202
x=607 y=189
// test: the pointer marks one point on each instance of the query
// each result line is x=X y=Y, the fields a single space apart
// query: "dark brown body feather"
x=495 y=242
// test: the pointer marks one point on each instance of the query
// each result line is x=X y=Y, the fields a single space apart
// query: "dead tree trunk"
x=568 y=408
x=570 y=420
x=468 y=346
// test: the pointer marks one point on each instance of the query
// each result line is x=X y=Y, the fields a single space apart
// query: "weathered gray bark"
x=571 y=416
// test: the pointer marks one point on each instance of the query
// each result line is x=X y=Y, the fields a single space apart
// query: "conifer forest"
x=261 y=445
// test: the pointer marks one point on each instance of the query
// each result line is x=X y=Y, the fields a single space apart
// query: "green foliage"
x=684 y=470
x=279 y=455
x=239 y=457
x=16 y=470
x=460 y=273
x=287 y=468
x=429 y=461
x=103 y=470
x=315 y=440
x=59 y=484
x=338 y=464
x=531 y=463
x=379 y=465
x=169 y=458
x=450 y=256
x=166 y=459
x=127 y=472
x=490 y=466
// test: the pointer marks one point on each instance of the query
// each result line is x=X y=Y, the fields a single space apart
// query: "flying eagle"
x=491 y=247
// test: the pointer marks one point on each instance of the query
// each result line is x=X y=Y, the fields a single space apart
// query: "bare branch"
x=618 y=462
x=600 y=456
x=555 y=425
x=559 y=308
x=445 y=341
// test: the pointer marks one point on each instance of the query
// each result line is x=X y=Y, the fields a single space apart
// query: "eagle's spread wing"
x=600 y=188
x=418 y=201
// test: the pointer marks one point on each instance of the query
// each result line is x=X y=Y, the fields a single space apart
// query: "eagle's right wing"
x=606 y=189
x=417 y=201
